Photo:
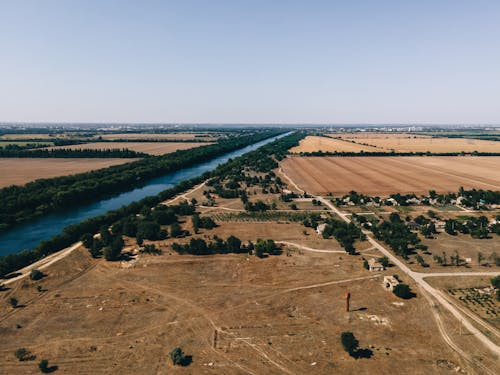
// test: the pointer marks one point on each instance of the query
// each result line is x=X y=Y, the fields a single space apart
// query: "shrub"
x=13 y=302
x=36 y=274
x=349 y=342
x=403 y=291
x=24 y=354
x=45 y=368
x=179 y=358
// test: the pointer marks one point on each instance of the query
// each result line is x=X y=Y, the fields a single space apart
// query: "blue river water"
x=29 y=234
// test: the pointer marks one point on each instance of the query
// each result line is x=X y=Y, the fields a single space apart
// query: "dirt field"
x=234 y=314
x=153 y=148
x=414 y=143
x=313 y=143
x=19 y=171
x=387 y=175
x=197 y=136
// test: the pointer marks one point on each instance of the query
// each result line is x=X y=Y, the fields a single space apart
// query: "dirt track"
x=388 y=175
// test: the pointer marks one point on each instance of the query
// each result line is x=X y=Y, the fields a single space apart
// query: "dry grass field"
x=404 y=142
x=314 y=143
x=387 y=175
x=19 y=171
x=153 y=148
x=233 y=313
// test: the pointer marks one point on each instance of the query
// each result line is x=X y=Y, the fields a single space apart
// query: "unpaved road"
x=43 y=263
x=305 y=248
x=418 y=277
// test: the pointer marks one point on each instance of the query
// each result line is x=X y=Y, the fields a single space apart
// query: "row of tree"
x=71 y=153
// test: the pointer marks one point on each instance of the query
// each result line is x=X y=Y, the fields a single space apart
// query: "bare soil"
x=233 y=313
x=19 y=171
x=388 y=175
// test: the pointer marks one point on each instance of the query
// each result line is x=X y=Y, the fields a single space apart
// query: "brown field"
x=234 y=314
x=404 y=142
x=19 y=171
x=387 y=175
x=197 y=136
x=314 y=143
x=153 y=148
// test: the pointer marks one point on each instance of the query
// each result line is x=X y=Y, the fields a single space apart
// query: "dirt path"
x=183 y=195
x=302 y=247
x=43 y=263
x=419 y=279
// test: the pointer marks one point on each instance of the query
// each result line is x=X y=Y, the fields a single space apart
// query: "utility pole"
x=347 y=299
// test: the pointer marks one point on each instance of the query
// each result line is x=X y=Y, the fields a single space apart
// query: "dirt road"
x=419 y=279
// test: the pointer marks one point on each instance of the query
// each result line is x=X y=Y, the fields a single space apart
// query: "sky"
x=252 y=61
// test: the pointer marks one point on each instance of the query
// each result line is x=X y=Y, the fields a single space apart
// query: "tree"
x=403 y=291
x=24 y=354
x=349 y=343
x=45 y=368
x=113 y=251
x=13 y=302
x=495 y=282
x=384 y=261
x=36 y=274
x=175 y=230
x=233 y=244
x=179 y=358
x=195 y=219
x=480 y=258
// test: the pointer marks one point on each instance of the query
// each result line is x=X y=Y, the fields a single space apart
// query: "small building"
x=375 y=266
x=320 y=228
x=412 y=225
x=389 y=283
x=440 y=224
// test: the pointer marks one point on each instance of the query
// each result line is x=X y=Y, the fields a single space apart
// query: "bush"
x=349 y=342
x=403 y=291
x=13 y=302
x=36 y=274
x=179 y=358
x=24 y=354
x=45 y=368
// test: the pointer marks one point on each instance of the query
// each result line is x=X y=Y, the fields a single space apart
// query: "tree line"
x=18 y=152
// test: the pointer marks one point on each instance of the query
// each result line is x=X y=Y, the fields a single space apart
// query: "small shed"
x=389 y=283
x=320 y=228
x=375 y=266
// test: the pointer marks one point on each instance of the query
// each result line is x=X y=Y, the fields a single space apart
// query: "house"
x=413 y=225
x=375 y=266
x=320 y=228
x=389 y=283
x=440 y=224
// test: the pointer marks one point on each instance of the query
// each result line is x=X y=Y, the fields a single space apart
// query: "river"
x=29 y=234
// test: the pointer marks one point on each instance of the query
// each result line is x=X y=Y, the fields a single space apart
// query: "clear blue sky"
x=212 y=61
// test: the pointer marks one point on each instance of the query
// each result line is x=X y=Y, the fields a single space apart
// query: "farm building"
x=389 y=283
x=320 y=228
x=375 y=266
